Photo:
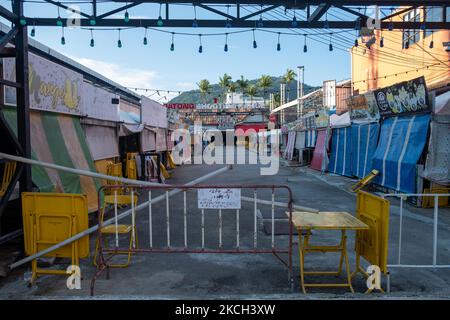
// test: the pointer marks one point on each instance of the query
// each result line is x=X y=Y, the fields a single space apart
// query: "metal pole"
x=400 y=231
x=279 y=204
x=119 y=217
x=22 y=95
x=77 y=171
x=435 y=229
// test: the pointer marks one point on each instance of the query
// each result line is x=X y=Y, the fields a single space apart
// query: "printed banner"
x=363 y=108
x=52 y=87
x=153 y=113
x=406 y=97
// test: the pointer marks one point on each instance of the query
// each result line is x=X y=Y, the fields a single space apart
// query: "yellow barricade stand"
x=364 y=181
x=50 y=218
x=131 y=166
x=171 y=163
x=428 y=202
x=372 y=244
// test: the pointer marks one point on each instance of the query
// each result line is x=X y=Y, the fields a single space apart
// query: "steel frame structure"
x=315 y=10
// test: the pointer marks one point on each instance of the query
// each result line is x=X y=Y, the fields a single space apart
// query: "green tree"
x=264 y=83
x=205 y=87
x=232 y=88
x=288 y=77
x=252 y=90
x=243 y=85
x=224 y=83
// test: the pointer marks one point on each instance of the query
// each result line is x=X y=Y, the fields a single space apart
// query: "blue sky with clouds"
x=155 y=66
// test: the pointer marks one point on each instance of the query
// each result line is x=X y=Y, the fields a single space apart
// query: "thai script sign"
x=52 y=87
x=403 y=98
x=363 y=108
x=215 y=106
x=224 y=198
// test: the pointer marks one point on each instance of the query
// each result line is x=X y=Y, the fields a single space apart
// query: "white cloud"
x=128 y=77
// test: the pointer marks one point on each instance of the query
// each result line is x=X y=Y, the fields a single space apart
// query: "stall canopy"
x=102 y=138
x=320 y=156
x=310 y=138
x=364 y=144
x=401 y=143
x=341 y=152
x=130 y=123
x=59 y=139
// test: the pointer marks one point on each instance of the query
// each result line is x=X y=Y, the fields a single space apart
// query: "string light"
x=172 y=45
x=356 y=40
x=145 y=38
x=92 y=44
x=254 y=40
x=391 y=26
x=160 y=22
x=225 y=48
x=278 y=44
x=23 y=21
x=305 y=47
x=326 y=24
x=330 y=47
x=228 y=22
x=294 y=19
x=432 y=42
x=92 y=21
x=200 y=48
x=195 y=22
x=59 y=22
x=33 y=31
x=127 y=16
x=63 y=39
x=260 y=23
x=119 y=42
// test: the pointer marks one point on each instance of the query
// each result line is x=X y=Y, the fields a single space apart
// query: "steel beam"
x=23 y=96
x=268 y=24
x=356 y=13
x=7 y=38
x=218 y=12
x=299 y=4
x=59 y=4
x=130 y=5
x=8 y=15
x=319 y=12
x=257 y=13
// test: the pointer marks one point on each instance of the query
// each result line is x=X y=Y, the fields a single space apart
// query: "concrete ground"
x=255 y=276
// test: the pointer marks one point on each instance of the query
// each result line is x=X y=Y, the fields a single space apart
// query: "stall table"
x=307 y=221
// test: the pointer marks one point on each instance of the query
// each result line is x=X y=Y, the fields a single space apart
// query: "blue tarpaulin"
x=310 y=138
x=341 y=152
x=401 y=143
x=364 y=144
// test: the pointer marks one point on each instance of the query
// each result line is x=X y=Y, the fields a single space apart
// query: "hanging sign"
x=406 y=97
x=363 y=108
x=224 y=198
x=52 y=86
x=329 y=95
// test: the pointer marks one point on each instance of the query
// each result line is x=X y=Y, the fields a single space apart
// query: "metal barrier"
x=435 y=230
x=186 y=245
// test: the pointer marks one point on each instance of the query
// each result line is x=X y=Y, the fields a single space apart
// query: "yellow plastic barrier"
x=172 y=164
x=372 y=245
x=428 y=202
x=364 y=181
x=131 y=169
x=8 y=173
x=50 y=218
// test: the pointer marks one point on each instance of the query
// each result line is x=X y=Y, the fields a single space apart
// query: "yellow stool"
x=121 y=228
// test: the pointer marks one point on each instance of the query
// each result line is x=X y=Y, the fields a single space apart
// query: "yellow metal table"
x=307 y=221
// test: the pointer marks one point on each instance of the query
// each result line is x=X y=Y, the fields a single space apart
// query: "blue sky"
x=155 y=66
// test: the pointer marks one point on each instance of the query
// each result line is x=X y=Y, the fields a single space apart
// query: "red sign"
x=180 y=105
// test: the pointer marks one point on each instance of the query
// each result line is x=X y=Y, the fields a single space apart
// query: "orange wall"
x=393 y=59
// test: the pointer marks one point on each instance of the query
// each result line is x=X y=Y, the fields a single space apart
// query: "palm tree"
x=232 y=88
x=264 y=83
x=288 y=77
x=204 y=86
x=243 y=85
x=224 y=83
x=252 y=90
